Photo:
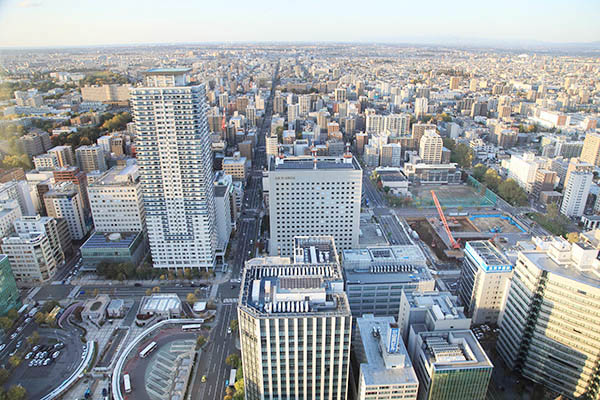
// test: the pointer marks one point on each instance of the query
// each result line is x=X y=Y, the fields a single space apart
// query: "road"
x=243 y=247
x=395 y=233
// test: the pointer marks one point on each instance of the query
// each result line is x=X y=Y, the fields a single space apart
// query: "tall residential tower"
x=175 y=160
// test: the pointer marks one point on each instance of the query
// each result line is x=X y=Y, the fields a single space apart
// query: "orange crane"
x=454 y=243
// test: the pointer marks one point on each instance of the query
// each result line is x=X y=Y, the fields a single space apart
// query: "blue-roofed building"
x=484 y=280
x=114 y=248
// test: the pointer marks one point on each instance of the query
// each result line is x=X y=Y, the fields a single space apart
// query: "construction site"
x=446 y=234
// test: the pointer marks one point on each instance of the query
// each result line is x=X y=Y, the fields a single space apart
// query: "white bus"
x=126 y=383
x=148 y=349
x=191 y=327
x=232 y=377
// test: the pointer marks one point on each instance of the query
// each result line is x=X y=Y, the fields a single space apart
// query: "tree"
x=573 y=237
x=16 y=392
x=229 y=391
x=148 y=292
x=234 y=324
x=552 y=211
x=228 y=397
x=40 y=317
x=479 y=171
x=386 y=189
x=239 y=389
x=191 y=298
x=492 y=179
x=34 y=338
x=514 y=194
x=14 y=361
x=156 y=289
x=201 y=341
x=4 y=375
x=5 y=323
x=233 y=360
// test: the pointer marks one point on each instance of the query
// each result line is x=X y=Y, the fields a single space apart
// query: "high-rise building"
x=375 y=277
x=591 y=149
x=385 y=371
x=175 y=161
x=550 y=330
x=454 y=83
x=78 y=178
x=430 y=147
x=418 y=130
x=225 y=209
x=578 y=183
x=391 y=155
x=278 y=104
x=55 y=229
x=64 y=155
x=421 y=106
x=31 y=257
x=545 y=181
x=305 y=102
x=90 y=158
x=484 y=281
x=45 y=162
x=9 y=212
x=313 y=196
x=35 y=143
x=9 y=293
x=295 y=324
x=450 y=365
x=116 y=201
x=64 y=201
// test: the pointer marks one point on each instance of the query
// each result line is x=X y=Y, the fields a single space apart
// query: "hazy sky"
x=92 y=22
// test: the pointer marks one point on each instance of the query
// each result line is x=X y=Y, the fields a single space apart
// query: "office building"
x=10 y=297
x=35 y=143
x=577 y=188
x=19 y=191
x=376 y=276
x=545 y=181
x=236 y=167
x=418 y=130
x=175 y=162
x=56 y=230
x=64 y=201
x=78 y=178
x=430 y=147
x=313 y=196
x=591 y=148
x=295 y=324
x=550 y=330
x=116 y=201
x=46 y=161
x=113 y=94
x=63 y=154
x=293 y=111
x=385 y=371
x=90 y=158
x=484 y=281
x=31 y=257
x=305 y=103
x=117 y=247
x=224 y=208
x=391 y=155
x=9 y=212
x=450 y=365
x=454 y=83
x=421 y=106
x=433 y=310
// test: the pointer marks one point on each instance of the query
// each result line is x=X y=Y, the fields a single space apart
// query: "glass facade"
x=9 y=294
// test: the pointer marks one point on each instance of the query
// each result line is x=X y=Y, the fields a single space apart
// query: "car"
x=12 y=353
x=227 y=382
x=55 y=354
x=20 y=329
x=104 y=392
x=232 y=286
x=59 y=346
x=137 y=284
x=2 y=346
x=203 y=378
x=28 y=356
x=28 y=320
x=228 y=330
x=47 y=361
x=14 y=335
x=31 y=363
x=19 y=343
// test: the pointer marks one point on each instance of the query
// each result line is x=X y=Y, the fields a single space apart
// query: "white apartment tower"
x=295 y=324
x=430 y=147
x=313 y=196
x=90 y=158
x=175 y=160
x=64 y=201
x=116 y=201
x=578 y=183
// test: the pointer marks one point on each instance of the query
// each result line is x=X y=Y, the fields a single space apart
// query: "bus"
x=148 y=349
x=126 y=383
x=232 y=374
x=191 y=327
x=23 y=309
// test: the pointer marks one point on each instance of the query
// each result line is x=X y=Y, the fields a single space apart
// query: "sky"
x=64 y=23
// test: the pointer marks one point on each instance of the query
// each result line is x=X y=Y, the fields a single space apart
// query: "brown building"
x=418 y=130
x=544 y=182
x=591 y=149
x=13 y=174
x=77 y=177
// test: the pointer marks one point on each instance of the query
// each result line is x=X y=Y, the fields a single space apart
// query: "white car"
x=28 y=356
x=55 y=354
x=2 y=346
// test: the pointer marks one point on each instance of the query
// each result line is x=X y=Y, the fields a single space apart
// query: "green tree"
x=514 y=194
x=233 y=360
x=239 y=389
x=15 y=360
x=234 y=325
x=191 y=298
x=34 y=338
x=479 y=171
x=16 y=392
x=4 y=375
x=491 y=179
x=5 y=323
x=201 y=341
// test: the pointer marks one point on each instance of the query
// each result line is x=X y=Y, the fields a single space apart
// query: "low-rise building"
x=161 y=305
x=94 y=310
x=116 y=247
x=432 y=173
x=31 y=257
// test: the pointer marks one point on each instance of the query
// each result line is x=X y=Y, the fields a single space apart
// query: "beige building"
x=31 y=257
x=236 y=166
x=90 y=158
x=591 y=149
x=430 y=147
x=64 y=155
x=64 y=201
x=118 y=94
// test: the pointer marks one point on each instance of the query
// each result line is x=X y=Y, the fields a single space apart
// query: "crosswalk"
x=230 y=300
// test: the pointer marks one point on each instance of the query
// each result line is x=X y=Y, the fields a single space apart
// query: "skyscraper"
x=295 y=324
x=175 y=160
x=591 y=149
x=577 y=188
x=430 y=147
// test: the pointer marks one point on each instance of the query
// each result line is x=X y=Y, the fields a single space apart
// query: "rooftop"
x=118 y=175
x=443 y=305
x=167 y=71
x=487 y=256
x=385 y=361
x=122 y=240
x=567 y=270
x=163 y=302
x=452 y=350
x=308 y=163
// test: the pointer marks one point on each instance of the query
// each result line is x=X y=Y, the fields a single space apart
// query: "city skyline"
x=515 y=24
